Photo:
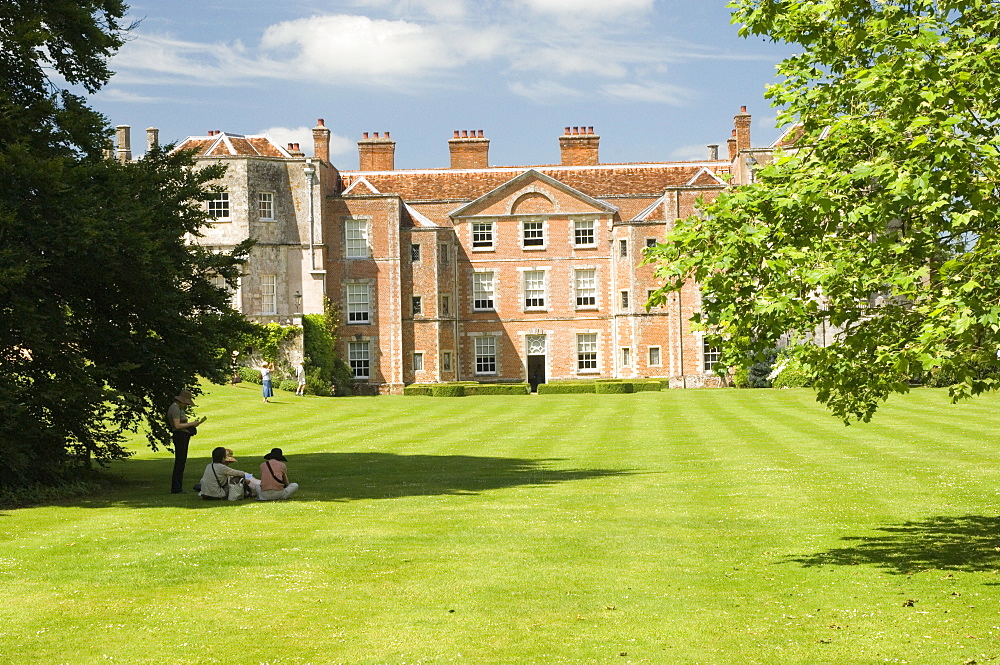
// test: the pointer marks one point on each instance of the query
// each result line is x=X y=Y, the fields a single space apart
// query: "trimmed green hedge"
x=418 y=389
x=498 y=389
x=647 y=386
x=448 y=390
x=566 y=387
x=613 y=387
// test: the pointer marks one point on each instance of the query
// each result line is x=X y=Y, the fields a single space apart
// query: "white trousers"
x=275 y=495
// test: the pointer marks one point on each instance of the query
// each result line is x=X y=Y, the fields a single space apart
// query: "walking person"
x=274 y=483
x=181 y=431
x=300 y=377
x=265 y=377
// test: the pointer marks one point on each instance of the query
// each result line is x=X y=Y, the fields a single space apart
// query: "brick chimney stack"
x=469 y=150
x=578 y=146
x=152 y=138
x=321 y=141
x=733 y=151
x=123 y=136
x=376 y=153
x=742 y=122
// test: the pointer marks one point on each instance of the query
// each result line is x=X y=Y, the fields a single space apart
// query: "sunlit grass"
x=713 y=526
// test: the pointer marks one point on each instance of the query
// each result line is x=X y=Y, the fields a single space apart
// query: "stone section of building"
x=471 y=272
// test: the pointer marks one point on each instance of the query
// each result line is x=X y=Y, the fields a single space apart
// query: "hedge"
x=566 y=387
x=498 y=389
x=448 y=390
x=415 y=389
x=250 y=375
x=613 y=387
x=291 y=385
x=647 y=386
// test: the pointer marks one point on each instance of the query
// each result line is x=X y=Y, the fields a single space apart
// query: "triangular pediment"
x=531 y=194
x=705 y=178
x=360 y=187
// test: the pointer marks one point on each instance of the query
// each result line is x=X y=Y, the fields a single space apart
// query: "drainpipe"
x=310 y=172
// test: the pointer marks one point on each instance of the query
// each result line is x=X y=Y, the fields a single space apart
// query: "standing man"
x=300 y=376
x=181 y=432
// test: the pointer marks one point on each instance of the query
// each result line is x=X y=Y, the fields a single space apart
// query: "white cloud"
x=659 y=93
x=589 y=9
x=118 y=95
x=339 y=145
x=439 y=9
x=544 y=91
x=691 y=153
x=337 y=48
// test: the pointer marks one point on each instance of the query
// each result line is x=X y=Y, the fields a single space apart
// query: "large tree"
x=883 y=220
x=107 y=309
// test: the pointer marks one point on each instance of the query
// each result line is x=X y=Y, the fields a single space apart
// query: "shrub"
x=613 y=387
x=291 y=385
x=498 y=389
x=315 y=385
x=756 y=375
x=647 y=386
x=448 y=390
x=566 y=387
x=789 y=372
x=417 y=389
x=250 y=375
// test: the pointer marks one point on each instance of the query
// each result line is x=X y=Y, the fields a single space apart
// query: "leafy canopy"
x=107 y=309
x=883 y=221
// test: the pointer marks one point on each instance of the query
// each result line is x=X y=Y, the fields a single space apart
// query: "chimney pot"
x=320 y=122
x=590 y=130
x=481 y=134
x=566 y=132
x=387 y=134
x=456 y=134
x=743 y=109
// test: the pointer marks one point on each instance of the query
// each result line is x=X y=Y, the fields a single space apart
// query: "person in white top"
x=300 y=377
x=217 y=477
x=265 y=377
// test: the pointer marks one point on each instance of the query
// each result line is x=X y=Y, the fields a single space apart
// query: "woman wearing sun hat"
x=181 y=431
x=274 y=483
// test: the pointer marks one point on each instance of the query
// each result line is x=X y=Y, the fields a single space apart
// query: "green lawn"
x=713 y=526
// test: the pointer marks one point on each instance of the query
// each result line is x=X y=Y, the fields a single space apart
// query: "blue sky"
x=657 y=79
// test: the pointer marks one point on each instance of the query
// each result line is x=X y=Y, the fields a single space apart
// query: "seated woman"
x=274 y=483
x=217 y=476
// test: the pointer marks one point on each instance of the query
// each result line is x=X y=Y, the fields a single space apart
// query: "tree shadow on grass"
x=967 y=543
x=354 y=476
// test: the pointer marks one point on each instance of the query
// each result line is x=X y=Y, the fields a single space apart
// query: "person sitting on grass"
x=217 y=477
x=274 y=483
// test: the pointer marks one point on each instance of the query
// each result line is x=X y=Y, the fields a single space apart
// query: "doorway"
x=536 y=371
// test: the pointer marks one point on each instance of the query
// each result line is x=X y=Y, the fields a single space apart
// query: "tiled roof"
x=228 y=145
x=605 y=180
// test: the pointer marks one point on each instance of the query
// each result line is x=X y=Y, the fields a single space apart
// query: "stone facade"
x=473 y=272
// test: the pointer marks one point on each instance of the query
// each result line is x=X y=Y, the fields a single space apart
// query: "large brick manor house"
x=472 y=272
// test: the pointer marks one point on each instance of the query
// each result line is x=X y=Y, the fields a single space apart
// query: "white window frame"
x=490 y=295
x=268 y=295
x=626 y=356
x=484 y=236
x=537 y=236
x=485 y=355
x=587 y=359
x=580 y=228
x=359 y=309
x=359 y=358
x=534 y=290
x=659 y=356
x=218 y=207
x=584 y=285
x=265 y=206
x=624 y=300
x=418 y=361
x=356 y=238
x=709 y=355
x=220 y=282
